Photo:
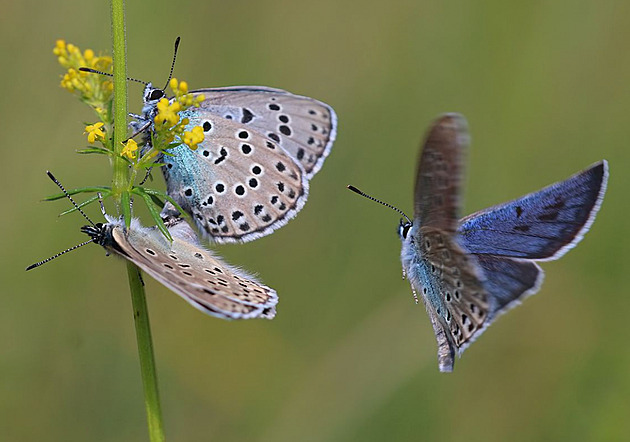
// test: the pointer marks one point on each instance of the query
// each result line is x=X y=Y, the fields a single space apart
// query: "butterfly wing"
x=448 y=278
x=542 y=225
x=453 y=291
x=509 y=281
x=439 y=174
x=238 y=185
x=302 y=126
x=191 y=271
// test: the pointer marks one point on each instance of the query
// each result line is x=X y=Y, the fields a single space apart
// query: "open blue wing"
x=542 y=225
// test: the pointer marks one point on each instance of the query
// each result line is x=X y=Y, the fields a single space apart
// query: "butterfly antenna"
x=355 y=190
x=37 y=264
x=107 y=74
x=76 y=206
x=173 y=62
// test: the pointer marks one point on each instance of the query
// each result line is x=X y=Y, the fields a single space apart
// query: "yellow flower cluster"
x=167 y=113
x=93 y=89
x=194 y=137
x=167 y=121
x=182 y=96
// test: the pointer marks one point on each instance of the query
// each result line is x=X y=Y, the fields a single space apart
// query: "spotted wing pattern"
x=191 y=271
x=238 y=185
x=304 y=127
x=452 y=288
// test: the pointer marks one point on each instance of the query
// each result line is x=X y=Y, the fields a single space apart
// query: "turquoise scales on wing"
x=251 y=173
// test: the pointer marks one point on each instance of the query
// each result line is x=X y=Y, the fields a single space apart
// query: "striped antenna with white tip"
x=170 y=75
x=52 y=177
x=37 y=264
x=76 y=206
x=107 y=74
x=355 y=190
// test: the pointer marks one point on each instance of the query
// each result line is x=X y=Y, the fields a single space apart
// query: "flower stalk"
x=120 y=189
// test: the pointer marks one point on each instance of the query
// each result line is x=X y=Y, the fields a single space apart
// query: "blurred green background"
x=545 y=86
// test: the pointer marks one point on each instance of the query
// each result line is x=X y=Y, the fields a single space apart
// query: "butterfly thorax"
x=420 y=272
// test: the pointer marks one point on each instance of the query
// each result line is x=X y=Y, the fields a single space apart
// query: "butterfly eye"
x=406 y=230
x=155 y=94
x=403 y=229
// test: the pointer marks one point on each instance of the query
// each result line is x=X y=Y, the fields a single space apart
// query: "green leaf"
x=156 y=200
x=155 y=214
x=166 y=197
x=95 y=149
x=56 y=196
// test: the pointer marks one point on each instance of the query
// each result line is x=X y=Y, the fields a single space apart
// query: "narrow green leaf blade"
x=155 y=214
x=56 y=196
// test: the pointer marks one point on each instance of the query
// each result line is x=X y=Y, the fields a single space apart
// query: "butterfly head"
x=152 y=94
x=150 y=99
x=98 y=232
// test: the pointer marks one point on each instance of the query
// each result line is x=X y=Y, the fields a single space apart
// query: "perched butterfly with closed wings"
x=251 y=173
x=183 y=265
x=471 y=270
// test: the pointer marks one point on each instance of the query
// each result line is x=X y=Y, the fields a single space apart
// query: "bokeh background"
x=545 y=86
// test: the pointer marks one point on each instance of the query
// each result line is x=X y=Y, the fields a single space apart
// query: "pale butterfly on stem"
x=468 y=271
x=183 y=265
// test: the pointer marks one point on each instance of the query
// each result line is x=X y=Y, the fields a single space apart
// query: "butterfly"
x=187 y=268
x=469 y=271
x=251 y=174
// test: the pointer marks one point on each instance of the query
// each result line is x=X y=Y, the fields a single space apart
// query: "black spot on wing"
x=559 y=204
x=247 y=116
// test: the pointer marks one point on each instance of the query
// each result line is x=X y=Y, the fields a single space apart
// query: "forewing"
x=304 y=127
x=238 y=185
x=203 y=280
x=439 y=174
x=542 y=225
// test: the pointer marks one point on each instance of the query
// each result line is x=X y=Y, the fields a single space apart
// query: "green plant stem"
x=120 y=180
x=145 y=352
x=121 y=185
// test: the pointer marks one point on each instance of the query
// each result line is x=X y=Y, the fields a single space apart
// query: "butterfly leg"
x=146 y=177
x=415 y=295
x=139 y=130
